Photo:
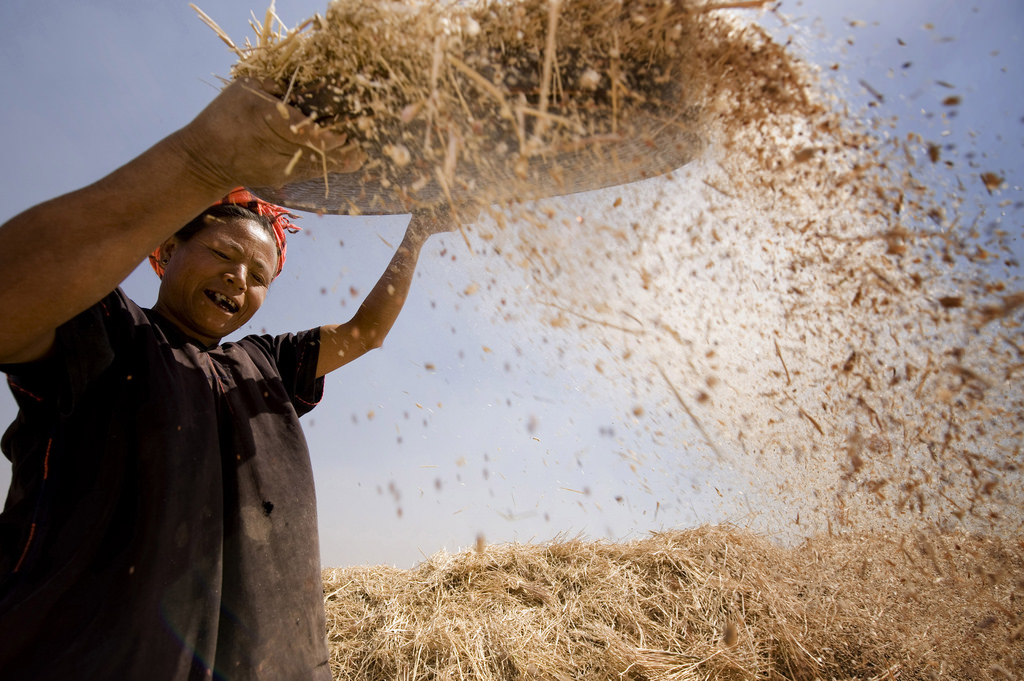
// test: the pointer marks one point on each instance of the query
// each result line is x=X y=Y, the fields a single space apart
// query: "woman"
x=161 y=522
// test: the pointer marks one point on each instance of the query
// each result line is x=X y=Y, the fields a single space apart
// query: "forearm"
x=382 y=306
x=60 y=257
x=342 y=343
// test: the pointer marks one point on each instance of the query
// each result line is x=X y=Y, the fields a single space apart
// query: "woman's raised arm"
x=60 y=257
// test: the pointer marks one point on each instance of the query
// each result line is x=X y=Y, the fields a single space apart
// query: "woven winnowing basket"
x=487 y=102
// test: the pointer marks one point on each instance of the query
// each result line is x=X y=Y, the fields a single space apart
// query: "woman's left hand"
x=440 y=219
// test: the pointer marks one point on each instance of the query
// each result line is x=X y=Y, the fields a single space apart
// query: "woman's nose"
x=237 y=275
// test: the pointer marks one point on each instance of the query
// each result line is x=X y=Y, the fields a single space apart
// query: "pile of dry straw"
x=711 y=603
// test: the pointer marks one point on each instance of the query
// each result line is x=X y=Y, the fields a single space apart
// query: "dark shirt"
x=161 y=520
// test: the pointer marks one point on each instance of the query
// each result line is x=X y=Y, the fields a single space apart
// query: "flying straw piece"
x=217 y=29
x=689 y=412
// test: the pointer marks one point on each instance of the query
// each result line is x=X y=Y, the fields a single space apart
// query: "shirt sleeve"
x=84 y=348
x=46 y=391
x=296 y=355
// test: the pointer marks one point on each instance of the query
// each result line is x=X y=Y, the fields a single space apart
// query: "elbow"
x=374 y=337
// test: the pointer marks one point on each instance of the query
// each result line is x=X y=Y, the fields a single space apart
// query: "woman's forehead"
x=242 y=234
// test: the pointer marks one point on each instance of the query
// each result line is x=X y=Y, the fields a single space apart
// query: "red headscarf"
x=280 y=220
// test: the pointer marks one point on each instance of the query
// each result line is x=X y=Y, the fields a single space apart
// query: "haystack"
x=710 y=603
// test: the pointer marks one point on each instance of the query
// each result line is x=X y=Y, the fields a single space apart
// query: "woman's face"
x=214 y=282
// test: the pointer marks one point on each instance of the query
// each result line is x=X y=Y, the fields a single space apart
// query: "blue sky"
x=464 y=423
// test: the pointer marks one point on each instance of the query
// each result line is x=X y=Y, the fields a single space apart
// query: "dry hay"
x=709 y=603
x=494 y=101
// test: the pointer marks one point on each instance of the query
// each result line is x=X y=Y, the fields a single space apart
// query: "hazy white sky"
x=462 y=424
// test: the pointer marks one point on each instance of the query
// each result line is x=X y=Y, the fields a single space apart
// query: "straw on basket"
x=486 y=101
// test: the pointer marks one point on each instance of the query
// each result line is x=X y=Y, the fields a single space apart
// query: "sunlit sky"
x=464 y=424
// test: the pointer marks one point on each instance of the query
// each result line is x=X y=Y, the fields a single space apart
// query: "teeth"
x=222 y=300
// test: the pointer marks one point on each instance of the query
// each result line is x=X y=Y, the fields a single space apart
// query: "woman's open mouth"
x=222 y=301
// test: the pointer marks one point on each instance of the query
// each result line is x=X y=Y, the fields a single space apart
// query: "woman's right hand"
x=248 y=137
